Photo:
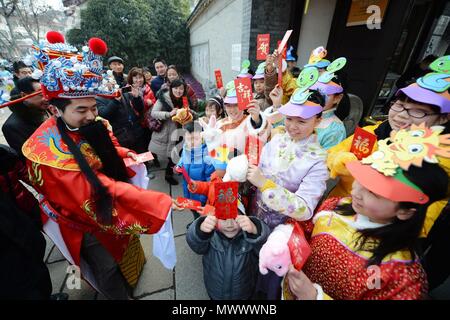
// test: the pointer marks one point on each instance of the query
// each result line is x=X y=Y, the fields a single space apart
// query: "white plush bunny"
x=211 y=133
x=237 y=169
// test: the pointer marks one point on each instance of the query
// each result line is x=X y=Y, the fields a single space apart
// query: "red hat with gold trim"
x=383 y=171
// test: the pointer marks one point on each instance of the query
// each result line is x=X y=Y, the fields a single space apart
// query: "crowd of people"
x=68 y=137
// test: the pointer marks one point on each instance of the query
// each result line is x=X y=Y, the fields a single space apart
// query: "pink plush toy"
x=274 y=254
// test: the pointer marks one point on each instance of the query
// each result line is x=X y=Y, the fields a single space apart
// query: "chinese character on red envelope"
x=298 y=247
x=219 y=81
x=188 y=203
x=226 y=199
x=143 y=157
x=244 y=92
x=253 y=148
x=362 y=143
x=262 y=46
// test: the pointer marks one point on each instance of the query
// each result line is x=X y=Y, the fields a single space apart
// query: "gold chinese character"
x=362 y=145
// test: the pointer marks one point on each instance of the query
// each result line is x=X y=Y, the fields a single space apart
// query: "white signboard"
x=236 y=57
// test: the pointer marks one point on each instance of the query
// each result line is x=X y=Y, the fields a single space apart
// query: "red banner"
x=262 y=46
x=244 y=92
x=362 y=143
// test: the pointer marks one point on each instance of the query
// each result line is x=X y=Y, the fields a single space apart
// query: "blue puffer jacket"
x=199 y=167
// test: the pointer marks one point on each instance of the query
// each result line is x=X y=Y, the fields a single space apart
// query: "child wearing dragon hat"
x=292 y=174
x=364 y=247
x=427 y=100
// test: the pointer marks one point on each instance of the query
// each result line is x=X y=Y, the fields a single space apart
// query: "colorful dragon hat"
x=260 y=72
x=66 y=73
x=231 y=97
x=289 y=56
x=383 y=171
x=317 y=58
x=325 y=84
x=299 y=105
x=433 y=87
x=244 y=70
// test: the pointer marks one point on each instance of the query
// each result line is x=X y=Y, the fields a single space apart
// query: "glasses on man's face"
x=415 y=113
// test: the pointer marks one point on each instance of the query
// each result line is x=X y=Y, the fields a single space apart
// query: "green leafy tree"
x=137 y=30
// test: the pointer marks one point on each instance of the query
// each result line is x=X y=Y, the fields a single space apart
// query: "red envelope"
x=282 y=44
x=244 y=92
x=188 y=203
x=280 y=71
x=253 y=148
x=262 y=46
x=284 y=54
x=219 y=81
x=185 y=175
x=185 y=102
x=226 y=199
x=362 y=143
x=143 y=157
x=298 y=247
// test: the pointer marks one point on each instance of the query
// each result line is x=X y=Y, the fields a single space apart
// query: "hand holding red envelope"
x=143 y=157
x=188 y=203
x=298 y=247
x=244 y=92
x=362 y=143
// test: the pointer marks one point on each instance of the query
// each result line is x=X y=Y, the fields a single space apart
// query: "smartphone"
x=126 y=89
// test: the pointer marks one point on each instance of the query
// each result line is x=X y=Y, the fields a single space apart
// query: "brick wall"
x=268 y=16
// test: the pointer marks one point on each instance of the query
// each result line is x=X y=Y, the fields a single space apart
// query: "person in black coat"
x=23 y=274
x=116 y=65
x=230 y=254
x=26 y=116
x=124 y=114
x=161 y=70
